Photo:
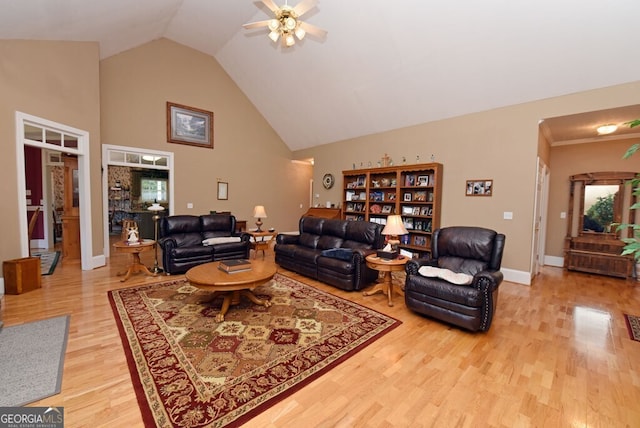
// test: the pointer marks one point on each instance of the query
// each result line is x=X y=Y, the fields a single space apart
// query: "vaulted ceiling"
x=383 y=65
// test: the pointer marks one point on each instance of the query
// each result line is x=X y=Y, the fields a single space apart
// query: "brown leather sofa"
x=472 y=251
x=182 y=236
x=331 y=250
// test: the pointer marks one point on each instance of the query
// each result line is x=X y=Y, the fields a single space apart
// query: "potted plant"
x=633 y=242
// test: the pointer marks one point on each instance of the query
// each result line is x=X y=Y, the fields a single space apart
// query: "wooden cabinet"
x=323 y=212
x=598 y=254
x=597 y=202
x=412 y=191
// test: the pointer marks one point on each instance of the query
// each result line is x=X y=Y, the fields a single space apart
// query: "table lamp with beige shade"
x=393 y=229
x=259 y=213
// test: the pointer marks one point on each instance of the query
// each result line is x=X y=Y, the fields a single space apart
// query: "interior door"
x=71 y=217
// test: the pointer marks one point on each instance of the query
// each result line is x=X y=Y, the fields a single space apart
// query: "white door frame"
x=540 y=215
x=106 y=150
x=82 y=151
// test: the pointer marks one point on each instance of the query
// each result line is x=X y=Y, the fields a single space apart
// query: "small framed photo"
x=479 y=187
x=410 y=180
x=407 y=197
x=223 y=190
x=407 y=210
x=423 y=180
x=386 y=209
x=189 y=125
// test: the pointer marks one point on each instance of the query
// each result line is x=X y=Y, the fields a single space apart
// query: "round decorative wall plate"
x=328 y=181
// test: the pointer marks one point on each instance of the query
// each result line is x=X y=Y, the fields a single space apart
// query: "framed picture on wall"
x=479 y=187
x=189 y=125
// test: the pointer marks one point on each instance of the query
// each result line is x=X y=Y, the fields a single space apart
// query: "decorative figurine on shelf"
x=386 y=160
x=132 y=235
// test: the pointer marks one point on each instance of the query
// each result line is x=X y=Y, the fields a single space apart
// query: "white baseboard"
x=518 y=276
x=98 y=261
x=554 y=261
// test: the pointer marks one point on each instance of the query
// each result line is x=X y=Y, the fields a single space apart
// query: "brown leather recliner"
x=473 y=251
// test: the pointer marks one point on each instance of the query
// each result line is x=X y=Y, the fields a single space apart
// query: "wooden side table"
x=135 y=250
x=386 y=267
x=260 y=241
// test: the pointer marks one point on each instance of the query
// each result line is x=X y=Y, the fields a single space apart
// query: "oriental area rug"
x=190 y=371
x=633 y=326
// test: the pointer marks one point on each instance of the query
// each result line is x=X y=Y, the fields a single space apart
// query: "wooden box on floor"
x=21 y=275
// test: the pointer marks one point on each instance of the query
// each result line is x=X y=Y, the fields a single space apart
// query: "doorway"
x=47 y=135
x=138 y=159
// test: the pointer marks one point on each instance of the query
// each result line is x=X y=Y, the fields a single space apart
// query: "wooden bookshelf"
x=413 y=191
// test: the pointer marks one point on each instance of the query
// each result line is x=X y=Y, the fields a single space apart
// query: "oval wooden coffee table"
x=208 y=277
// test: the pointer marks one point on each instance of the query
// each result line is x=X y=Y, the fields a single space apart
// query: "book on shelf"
x=235 y=265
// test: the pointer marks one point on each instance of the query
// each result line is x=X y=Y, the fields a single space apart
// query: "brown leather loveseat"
x=189 y=240
x=331 y=250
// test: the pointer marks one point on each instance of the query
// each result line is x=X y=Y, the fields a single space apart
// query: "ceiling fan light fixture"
x=274 y=35
x=290 y=23
x=274 y=24
x=285 y=25
x=607 y=129
x=289 y=40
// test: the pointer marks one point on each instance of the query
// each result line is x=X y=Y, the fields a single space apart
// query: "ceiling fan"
x=287 y=23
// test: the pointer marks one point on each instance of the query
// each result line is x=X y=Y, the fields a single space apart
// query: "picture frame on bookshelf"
x=479 y=187
x=406 y=197
x=386 y=209
x=360 y=181
x=423 y=180
x=420 y=196
x=407 y=210
x=377 y=196
x=410 y=180
x=424 y=211
x=416 y=210
x=408 y=223
x=391 y=197
x=420 y=241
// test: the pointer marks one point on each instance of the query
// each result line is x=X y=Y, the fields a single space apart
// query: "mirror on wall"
x=601 y=207
x=599 y=201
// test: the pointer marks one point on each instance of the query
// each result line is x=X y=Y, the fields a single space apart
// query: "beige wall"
x=500 y=144
x=121 y=101
x=577 y=159
x=248 y=154
x=57 y=81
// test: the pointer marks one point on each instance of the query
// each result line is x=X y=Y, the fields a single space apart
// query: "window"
x=153 y=189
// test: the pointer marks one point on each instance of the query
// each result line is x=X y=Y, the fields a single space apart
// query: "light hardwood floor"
x=558 y=355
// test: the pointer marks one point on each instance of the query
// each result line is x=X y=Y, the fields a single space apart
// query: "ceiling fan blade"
x=271 y=5
x=313 y=30
x=304 y=6
x=256 y=24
